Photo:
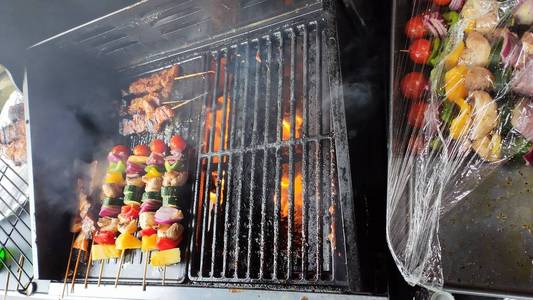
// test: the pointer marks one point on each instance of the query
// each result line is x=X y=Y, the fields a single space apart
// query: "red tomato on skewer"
x=158 y=146
x=119 y=149
x=141 y=150
x=420 y=50
x=414 y=85
x=415 y=28
x=416 y=114
x=177 y=143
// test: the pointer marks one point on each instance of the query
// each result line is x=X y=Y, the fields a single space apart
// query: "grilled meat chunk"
x=158 y=82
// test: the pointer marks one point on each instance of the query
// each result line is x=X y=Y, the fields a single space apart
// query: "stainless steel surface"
x=486 y=240
x=157 y=292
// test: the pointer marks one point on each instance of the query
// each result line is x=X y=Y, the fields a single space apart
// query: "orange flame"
x=298 y=199
x=286 y=127
x=219 y=112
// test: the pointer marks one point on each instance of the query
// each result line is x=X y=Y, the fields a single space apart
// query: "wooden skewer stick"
x=88 y=265
x=75 y=271
x=164 y=275
x=183 y=102
x=148 y=254
x=119 y=267
x=68 y=266
x=101 y=272
x=19 y=270
x=7 y=285
x=194 y=75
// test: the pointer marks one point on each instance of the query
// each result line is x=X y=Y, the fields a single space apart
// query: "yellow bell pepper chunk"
x=99 y=252
x=114 y=177
x=452 y=59
x=461 y=123
x=127 y=241
x=137 y=159
x=454 y=84
x=165 y=257
x=149 y=243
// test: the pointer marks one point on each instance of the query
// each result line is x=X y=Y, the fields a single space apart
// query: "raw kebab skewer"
x=168 y=217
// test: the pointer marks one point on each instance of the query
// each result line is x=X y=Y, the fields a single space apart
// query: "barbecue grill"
x=270 y=188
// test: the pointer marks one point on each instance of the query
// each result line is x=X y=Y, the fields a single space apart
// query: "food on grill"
x=169 y=232
x=104 y=251
x=166 y=257
x=160 y=82
x=146 y=111
x=151 y=123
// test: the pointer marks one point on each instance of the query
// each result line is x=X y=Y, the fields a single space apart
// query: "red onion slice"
x=456 y=4
x=522 y=81
x=133 y=168
x=510 y=48
x=434 y=22
x=168 y=215
x=155 y=159
x=109 y=211
x=150 y=205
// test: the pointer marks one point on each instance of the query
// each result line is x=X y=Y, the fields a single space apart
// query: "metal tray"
x=486 y=240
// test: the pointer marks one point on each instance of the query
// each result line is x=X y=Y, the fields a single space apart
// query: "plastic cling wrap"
x=462 y=106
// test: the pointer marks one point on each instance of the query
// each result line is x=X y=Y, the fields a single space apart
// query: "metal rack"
x=15 y=232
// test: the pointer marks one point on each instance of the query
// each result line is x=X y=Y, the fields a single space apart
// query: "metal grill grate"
x=266 y=201
x=15 y=232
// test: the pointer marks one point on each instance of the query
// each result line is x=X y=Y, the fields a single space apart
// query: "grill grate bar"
x=219 y=169
x=292 y=113
x=231 y=145
x=318 y=66
x=198 y=178
x=241 y=161
x=253 y=162
x=277 y=190
x=304 y=153
x=209 y=146
x=265 y=160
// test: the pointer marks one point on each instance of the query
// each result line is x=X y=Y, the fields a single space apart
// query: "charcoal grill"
x=271 y=203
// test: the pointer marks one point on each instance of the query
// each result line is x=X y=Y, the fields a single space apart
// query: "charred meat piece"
x=144 y=105
x=161 y=115
x=151 y=123
x=158 y=82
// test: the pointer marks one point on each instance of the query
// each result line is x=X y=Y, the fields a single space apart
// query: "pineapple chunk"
x=100 y=252
x=149 y=242
x=165 y=257
x=127 y=241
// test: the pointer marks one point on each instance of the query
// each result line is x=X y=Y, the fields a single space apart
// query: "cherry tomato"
x=177 y=143
x=148 y=232
x=129 y=212
x=415 y=28
x=141 y=150
x=415 y=117
x=120 y=149
x=414 y=85
x=166 y=243
x=420 y=50
x=104 y=237
x=158 y=146
x=442 y=2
